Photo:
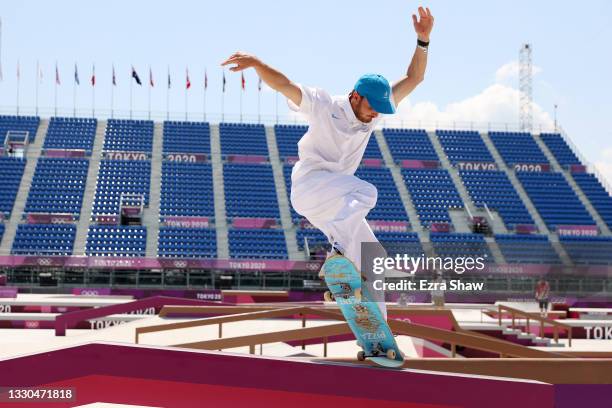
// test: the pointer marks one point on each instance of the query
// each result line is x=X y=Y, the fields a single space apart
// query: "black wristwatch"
x=422 y=43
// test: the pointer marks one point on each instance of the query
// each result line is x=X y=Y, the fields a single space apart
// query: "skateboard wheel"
x=357 y=294
x=328 y=296
x=361 y=355
x=391 y=354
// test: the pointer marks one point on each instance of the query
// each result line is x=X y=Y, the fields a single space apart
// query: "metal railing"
x=591 y=168
x=528 y=317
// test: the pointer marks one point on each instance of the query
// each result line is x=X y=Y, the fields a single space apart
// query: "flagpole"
x=168 y=96
x=241 y=91
x=150 y=78
x=113 y=93
x=74 y=84
x=93 y=91
x=259 y=103
x=18 y=84
x=276 y=106
x=1 y=76
x=55 y=91
x=186 y=80
x=131 y=90
x=37 y=80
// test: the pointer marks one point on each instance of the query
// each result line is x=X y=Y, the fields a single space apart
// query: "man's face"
x=362 y=108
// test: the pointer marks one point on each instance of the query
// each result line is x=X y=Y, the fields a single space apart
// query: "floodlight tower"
x=525 y=88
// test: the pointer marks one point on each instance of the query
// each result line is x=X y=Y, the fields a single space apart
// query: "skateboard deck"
x=361 y=313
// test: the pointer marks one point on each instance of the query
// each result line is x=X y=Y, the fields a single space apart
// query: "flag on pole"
x=187 y=81
x=57 y=78
x=151 y=83
x=259 y=84
x=223 y=81
x=205 y=80
x=76 y=75
x=135 y=76
x=169 y=82
x=114 y=77
x=242 y=79
x=18 y=70
x=40 y=72
x=93 y=75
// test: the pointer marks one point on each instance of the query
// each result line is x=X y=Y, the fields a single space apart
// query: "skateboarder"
x=323 y=187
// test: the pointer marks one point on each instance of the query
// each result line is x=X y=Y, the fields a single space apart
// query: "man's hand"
x=273 y=78
x=424 y=26
x=416 y=70
x=242 y=61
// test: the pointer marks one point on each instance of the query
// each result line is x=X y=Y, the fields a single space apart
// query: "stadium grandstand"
x=140 y=193
x=120 y=227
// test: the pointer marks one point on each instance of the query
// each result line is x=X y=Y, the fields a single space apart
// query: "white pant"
x=338 y=204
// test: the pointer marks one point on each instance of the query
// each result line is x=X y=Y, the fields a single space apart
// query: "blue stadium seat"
x=389 y=206
x=464 y=146
x=58 y=186
x=12 y=170
x=557 y=146
x=187 y=189
x=19 y=123
x=116 y=240
x=400 y=243
x=250 y=191
x=456 y=245
x=554 y=199
x=588 y=250
x=177 y=242
x=517 y=147
x=71 y=133
x=186 y=137
x=433 y=194
x=413 y=144
x=597 y=195
x=287 y=138
x=44 y=239
x=243 y=138
x=120 y=176
x=257 y=243
x=527 y=249
x=314 y=237
x=494 y=189
x=129 y=135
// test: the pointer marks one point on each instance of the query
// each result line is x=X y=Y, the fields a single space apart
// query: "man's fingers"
x=414 y=19
x=428 y=12
x=231 y=60
x=422 y=12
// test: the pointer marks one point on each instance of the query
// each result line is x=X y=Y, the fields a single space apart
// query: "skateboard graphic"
x=361 y=313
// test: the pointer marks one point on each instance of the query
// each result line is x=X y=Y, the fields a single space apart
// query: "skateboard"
x=361 y=313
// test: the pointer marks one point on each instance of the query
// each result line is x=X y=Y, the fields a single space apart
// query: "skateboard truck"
x=376 y=352
x=347 y=292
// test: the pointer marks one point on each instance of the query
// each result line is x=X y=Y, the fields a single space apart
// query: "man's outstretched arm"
x=273 y=78
x=416 y=71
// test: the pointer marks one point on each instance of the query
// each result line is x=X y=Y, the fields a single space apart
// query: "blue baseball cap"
x=377 y=91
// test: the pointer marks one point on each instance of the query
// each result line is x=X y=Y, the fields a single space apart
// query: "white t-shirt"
x=335 y=140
